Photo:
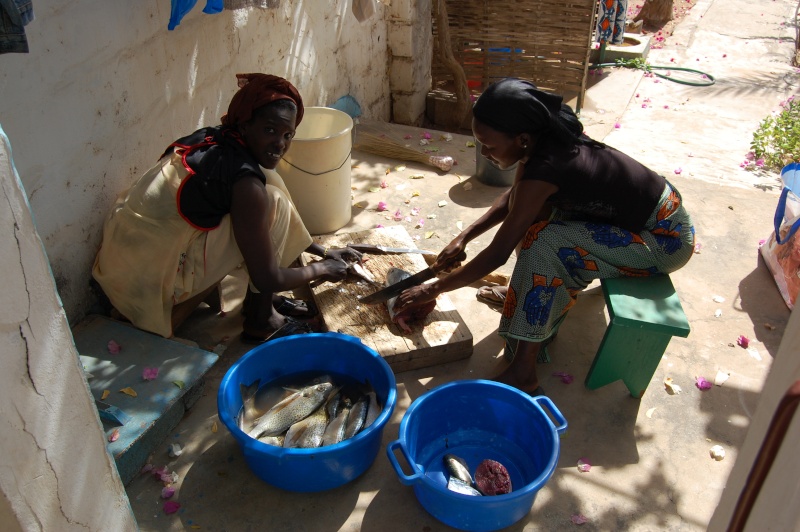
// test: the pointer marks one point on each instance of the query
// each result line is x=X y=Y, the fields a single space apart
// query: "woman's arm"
x=526 y=203
x=250 y=220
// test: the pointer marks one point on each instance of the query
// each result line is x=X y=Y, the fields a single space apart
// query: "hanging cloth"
x=181 y=7
x=14 y=15
x=611 y=21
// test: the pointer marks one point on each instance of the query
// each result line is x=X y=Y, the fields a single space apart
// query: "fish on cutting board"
x=408 y=315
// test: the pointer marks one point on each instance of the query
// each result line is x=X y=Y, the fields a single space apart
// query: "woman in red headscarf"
x=212 y=203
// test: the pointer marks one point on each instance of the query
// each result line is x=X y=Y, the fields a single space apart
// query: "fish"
x=277 y=441
x=307 y=433
x=358 y=269
x=297 y=406
x=358 y=414
x=334 y=404
x=248 y=411
x=374 y=409
x=334 y=432
x=415 y=313
x=457 y=468
x=459 y=486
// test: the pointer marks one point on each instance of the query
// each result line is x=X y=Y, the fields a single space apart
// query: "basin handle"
x=405 y=479
x=544 y=401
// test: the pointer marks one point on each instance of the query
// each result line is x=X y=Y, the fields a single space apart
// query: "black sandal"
x=290 y=328
x=289 y=307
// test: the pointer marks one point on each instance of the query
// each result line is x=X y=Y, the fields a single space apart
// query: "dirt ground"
x=663 y=32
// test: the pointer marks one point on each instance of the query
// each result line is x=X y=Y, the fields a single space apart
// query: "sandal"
x=290 y=328
x=492 y=295
x=295 y=308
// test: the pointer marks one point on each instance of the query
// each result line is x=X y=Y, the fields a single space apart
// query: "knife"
x=371 y=248
x=416 y=279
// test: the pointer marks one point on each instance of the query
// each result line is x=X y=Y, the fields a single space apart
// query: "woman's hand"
x=344 y=254
x=333 y=270
x=448 y=260
x=416 y=295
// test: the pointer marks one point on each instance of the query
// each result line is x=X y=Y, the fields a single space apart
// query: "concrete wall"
x=105 y=88
x=55 y=472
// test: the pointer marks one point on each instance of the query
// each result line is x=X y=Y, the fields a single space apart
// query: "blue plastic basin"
x=478 y=420
x=323 y=468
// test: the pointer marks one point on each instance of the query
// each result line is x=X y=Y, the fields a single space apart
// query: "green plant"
x=776 y=142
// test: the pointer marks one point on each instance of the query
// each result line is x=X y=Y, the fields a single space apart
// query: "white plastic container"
x=316 y=169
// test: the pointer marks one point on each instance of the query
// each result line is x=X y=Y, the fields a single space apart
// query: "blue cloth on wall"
x=181 y=7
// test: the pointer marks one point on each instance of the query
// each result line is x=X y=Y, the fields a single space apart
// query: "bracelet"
x=325 y=253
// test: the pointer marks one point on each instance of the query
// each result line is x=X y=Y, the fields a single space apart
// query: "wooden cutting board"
x=441 y=337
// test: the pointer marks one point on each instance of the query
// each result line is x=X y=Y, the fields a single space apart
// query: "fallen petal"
x=650 y=411
x=721 y=377
x=105 y=395
x=129 y=391
x=566 y=378
x=743 y=341
x=467 y=186
x=702 y=383
x=442 y=203
x=175 y=450
x=113 y=347
x=114 y=436
x=753 y=352
x=382 y=206
x=149 y=374
x=718 y=299
x=167 y=492
x=170 y=507
x=374 y=189
x=579 y=519
x=717 y=452
x=429 y=234
x=584 y=466
x=214 y=428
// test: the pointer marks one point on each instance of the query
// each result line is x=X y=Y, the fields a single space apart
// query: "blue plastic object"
x=323 y=468
x=477 y=420
x=791 y=184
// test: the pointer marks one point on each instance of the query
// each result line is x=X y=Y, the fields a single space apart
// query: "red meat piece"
x=492 y=478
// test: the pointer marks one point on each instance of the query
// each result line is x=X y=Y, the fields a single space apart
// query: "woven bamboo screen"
x=544 y=41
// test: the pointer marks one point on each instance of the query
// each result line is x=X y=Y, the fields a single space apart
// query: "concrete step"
x=160 y=403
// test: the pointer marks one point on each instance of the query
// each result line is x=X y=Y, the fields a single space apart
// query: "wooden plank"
x=442 y=337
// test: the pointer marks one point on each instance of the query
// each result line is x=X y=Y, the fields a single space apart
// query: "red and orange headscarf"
x=256 y=90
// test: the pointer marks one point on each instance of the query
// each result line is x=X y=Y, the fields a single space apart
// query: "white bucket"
x=316 y=169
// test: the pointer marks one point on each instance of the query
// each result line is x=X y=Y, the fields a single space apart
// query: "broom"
x=375 y=142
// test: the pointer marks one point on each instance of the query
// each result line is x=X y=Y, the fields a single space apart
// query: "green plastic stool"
x=645 y=313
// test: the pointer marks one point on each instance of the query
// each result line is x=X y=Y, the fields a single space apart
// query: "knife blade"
x=372 y=248
x=389 y=292
x=418 y=278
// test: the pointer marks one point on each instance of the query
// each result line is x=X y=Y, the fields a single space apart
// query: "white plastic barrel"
x=316 y=169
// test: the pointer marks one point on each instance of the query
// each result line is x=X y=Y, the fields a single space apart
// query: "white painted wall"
x=55 y=472
x=105 y=88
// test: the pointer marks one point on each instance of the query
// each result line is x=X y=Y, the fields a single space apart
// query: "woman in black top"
x=578 y=210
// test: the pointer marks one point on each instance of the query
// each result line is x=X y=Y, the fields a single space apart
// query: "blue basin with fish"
x=321 y=468
x=478 y=420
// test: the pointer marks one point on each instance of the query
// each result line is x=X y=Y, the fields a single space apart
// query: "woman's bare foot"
x=521 y=373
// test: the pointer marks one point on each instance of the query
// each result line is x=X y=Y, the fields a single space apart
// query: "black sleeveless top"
x=598 y=184
x=216 y=157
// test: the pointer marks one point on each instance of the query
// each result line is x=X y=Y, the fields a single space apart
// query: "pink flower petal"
x=149 y=374
x=384 y=184
x=415 y=211
x=566 y=378
x=426 y=136
x=702 y=383
x=678 y=170
x=114 y=436
x=113 y=347
x=382 y=206
x=617 y=125
x=378 y=226
x=397 y=215
x=743 y=341
x=170 y=507
x=167 y=492
x=407 y=137
x=579 y=519
x=584 y=466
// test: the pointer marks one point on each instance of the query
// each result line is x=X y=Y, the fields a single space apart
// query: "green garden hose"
x=641 y=64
